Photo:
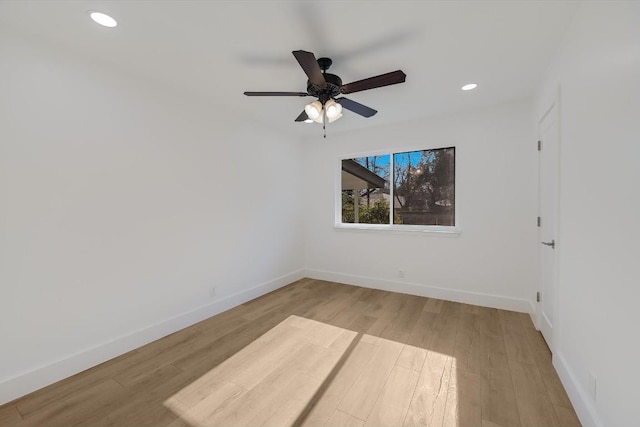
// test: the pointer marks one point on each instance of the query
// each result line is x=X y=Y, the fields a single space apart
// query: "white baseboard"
x=577 y=394
x=485 y=300
x=22 y=384
x=533 y=312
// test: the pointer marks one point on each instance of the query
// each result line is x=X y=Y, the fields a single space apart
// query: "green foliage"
x=347 y=207
x=376 y=213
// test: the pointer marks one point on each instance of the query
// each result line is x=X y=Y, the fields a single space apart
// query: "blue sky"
x=399 y=159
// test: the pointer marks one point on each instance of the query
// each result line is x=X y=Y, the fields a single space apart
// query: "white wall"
x=597 y=69
x=494 y=259
x=121 y=204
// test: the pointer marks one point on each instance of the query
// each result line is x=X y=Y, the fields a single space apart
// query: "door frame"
x=552 y=107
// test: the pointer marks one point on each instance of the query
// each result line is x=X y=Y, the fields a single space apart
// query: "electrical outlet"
x=212 y=292
x=401 y=274
x=592 y=386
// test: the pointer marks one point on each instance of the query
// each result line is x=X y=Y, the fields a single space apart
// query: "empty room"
x=308 y=213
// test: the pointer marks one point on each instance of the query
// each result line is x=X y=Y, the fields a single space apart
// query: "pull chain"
x=324 y=121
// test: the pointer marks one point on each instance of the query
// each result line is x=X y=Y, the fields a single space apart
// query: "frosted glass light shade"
x=333 y=109
x=313 y=110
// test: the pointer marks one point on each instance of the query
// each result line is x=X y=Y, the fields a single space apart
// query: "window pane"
x=424 y=187
x=365 y=190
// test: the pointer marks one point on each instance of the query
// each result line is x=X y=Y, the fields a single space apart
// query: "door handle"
x=551 y=243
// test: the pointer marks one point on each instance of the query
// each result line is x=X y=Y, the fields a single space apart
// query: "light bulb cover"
x=313 y=110
x=333 y=108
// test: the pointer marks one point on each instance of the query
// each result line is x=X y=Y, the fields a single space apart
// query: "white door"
x=548 y=131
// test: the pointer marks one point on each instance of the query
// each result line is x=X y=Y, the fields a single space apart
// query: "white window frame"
x=451 y=231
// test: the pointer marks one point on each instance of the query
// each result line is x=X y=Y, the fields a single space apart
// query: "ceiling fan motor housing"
x=331 y=90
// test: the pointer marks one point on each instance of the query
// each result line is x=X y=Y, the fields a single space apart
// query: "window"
x=400 y=190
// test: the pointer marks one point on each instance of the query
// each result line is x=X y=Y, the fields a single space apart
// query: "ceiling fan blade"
x=387 y=79
x=276 y=93
x=302 y=117
x=309 y=64
x=356 y=107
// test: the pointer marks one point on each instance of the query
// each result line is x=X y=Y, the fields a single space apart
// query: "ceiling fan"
x=326 y=87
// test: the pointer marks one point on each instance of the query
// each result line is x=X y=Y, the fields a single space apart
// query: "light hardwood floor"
x=318 y=353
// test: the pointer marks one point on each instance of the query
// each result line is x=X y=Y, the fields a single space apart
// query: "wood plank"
x=143 y=404
x=360 y=399
x=514 y=338
x=219 y=399
x=468 y=308
x=179 y=409
x=412 y=358
x=362 y=323
x=393 y=402
x=75 y=385
x=538 y=345
x=392 y=305
x=557 y=394
x=433 y=305
x=424 y=330
x=430 y=397
x=9 y=416
x=526 y=321
x=498 y=397
x=236 y=411
x=291 y=402
x=156 y=356
x=247 y=366
x=405 y=320
x=467 y=348
x=209 y=356
x=534 y=405
x=567 y=417
x=325 y=360
x=489 y=321
x=444 y=338
x=347 y=317
x=464 y=407
x=78 y=409
x=250 y=374
x=342 y=419
x=353 y=367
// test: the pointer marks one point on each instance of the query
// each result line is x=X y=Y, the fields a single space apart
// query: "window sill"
x=438 y=231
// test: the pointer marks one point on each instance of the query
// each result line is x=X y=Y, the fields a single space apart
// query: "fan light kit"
x=103 y=19
x=326 y=87
x=315 y=111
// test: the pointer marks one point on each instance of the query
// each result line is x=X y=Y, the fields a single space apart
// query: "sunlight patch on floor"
x=269 y=381
x=305 y=370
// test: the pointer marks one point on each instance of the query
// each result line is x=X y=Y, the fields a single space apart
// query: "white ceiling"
x=218 y=49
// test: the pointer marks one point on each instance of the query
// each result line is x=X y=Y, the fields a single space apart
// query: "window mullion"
x=391 y=187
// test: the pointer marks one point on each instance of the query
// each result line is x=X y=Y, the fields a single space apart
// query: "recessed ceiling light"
x=469 y=86
x=103 y=19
